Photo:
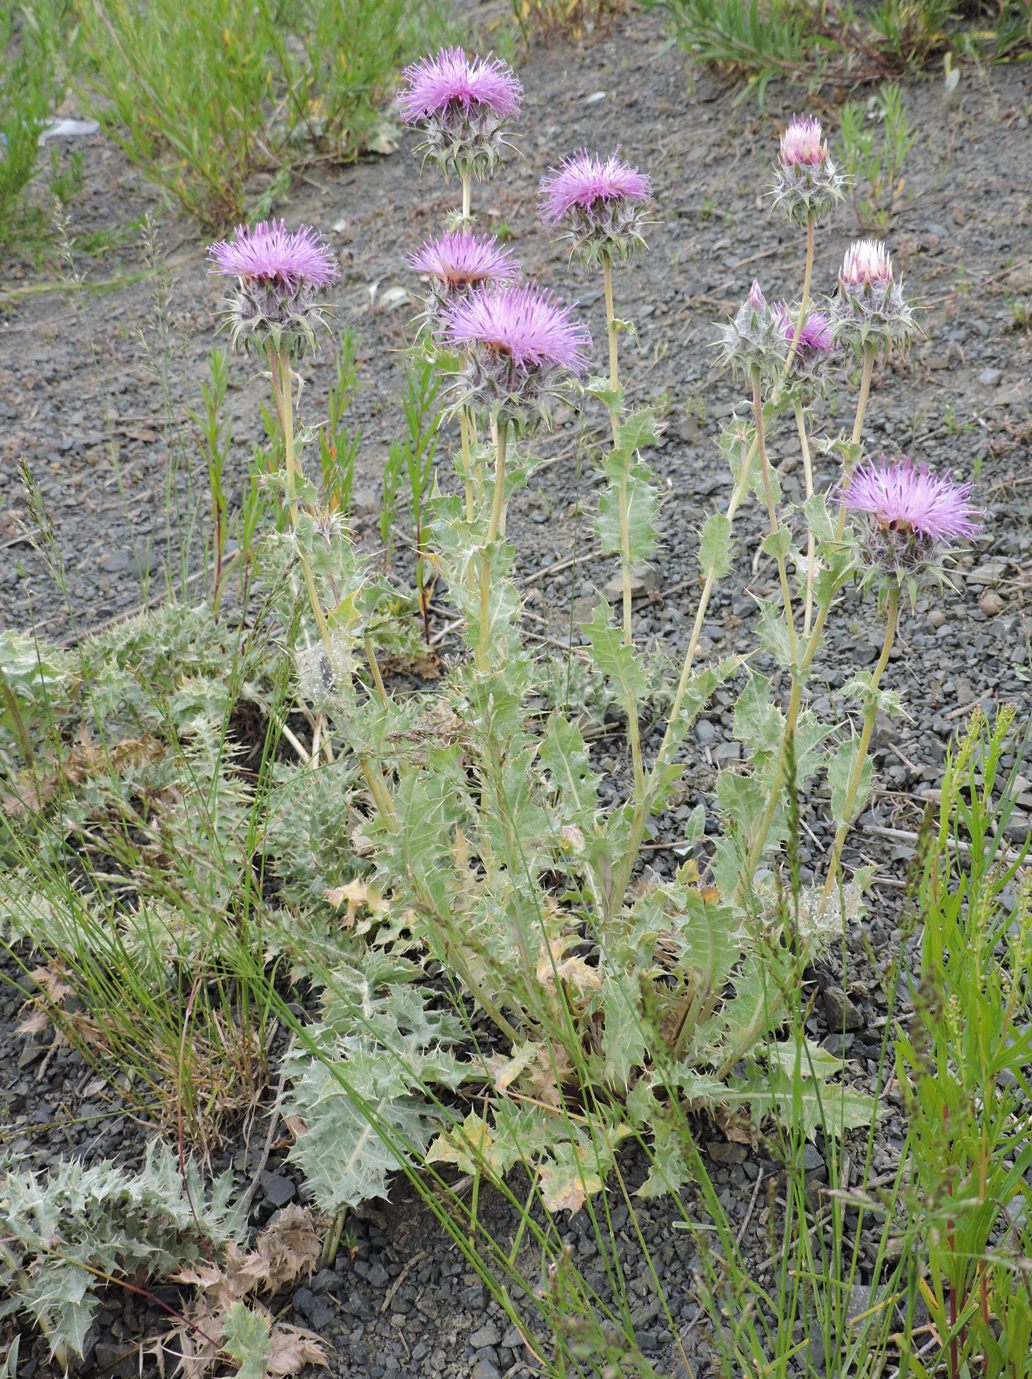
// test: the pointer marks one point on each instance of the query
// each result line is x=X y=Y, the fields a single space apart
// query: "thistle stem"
x=811 y=545
x=856 y=774
x=279 y=361
x=804 y=304
x=467 y=474
x=493 y=527
x=772 y=512
x=614 y=354
x=467 y=196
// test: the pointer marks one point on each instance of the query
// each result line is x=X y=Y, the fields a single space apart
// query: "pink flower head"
x=269 y=253
x=910 y=513
x=451 y=80
x=278 y=273
x=756 y=301
x=866 y=263
x=816 y=339
x=461 y=259
x=598 y=204
x=521 y=343
x=802 y=143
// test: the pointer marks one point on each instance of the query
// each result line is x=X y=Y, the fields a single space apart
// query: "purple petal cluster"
x=866 y=262
x=910 y=513
x=816 y=340
x=521 y=343
x=462 y=259
x=599 y=204
x=278 y=273
x=269 y=252
x=802 y=142
x=435 y=85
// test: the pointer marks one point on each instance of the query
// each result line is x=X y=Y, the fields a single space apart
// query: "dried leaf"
x=359 y=895
x=289 y=1246
x=293 y=1347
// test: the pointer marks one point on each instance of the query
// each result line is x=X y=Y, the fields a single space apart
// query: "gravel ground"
x=121 y=479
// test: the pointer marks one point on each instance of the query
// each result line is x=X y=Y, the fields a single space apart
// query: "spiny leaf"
x=715 y=546
x=840 y=770
x=617 y=662
x=245 y=1336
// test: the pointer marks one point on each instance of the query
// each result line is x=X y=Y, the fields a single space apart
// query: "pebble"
x=485 y=1335
x=990 y=377
x=278 y=1188
x=991 y=603
x=936 y=617
x=840 y=1010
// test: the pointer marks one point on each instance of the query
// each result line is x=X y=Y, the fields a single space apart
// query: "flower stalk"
x=494 y=525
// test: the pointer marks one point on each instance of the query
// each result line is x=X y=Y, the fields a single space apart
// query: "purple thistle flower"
x=816 y=342
x=436 y=84
x=461 y=104
x=910 y=514
x=802 y=142
x=598 y=204
x=461 y=259
x=271 y=253
x=752 y=338
x=871 y=304
x=807 y=184
x=278 y=273
x=521 y=342
x=866 y=263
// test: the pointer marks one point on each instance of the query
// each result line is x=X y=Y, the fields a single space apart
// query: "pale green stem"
x=611 y=330
x=467 y=475
x=642 y=808
x=281 y=375
x=811 y=544
x=467 y=196
x=374 y=671
x=772 y=512
x=493 y=527
x=805 y=302
x=840 y=523
x=856 y=775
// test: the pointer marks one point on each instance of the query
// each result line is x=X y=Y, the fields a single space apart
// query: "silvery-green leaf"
x=715 y=546
x=840 y=770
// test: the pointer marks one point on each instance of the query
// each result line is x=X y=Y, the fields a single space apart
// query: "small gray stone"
x=485 y=1335
x=936 y=617
x=840 y=1010
x=726 y=752
x=990 y=377
x=991 y=603
x=278 y=1189
x=484 y=1369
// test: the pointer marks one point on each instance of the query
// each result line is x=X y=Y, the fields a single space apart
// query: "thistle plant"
x=461 y=105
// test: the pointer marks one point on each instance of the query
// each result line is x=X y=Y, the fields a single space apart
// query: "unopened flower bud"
x=807 y=184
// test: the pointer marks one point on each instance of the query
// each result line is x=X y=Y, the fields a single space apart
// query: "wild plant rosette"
x=523 y=349
x=909 y=519
x=807 y=186
x=462 y=105
x=600 y=205
x=279 y=273
x=457 y=263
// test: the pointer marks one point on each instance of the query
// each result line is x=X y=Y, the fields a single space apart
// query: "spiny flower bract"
x=910 y=515
x=808 y=184
x=278 y=273
x=599 y=204
x=752 y=339
x=871 y=305
x=460 y=103
x=522 y=344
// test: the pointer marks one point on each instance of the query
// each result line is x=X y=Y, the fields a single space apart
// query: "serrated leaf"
x=564 y=756
x=715 y=548
x=624 y=1044
x=757 y=722
x=840 y=770
x=637 y=430
x=617 y=662
x=807 y=1105
x=245 y=1337
x=708 y=941
x=568 y=1178
x=642 y=509
x=818 y=518
x=773 y=634
x=777 y=543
